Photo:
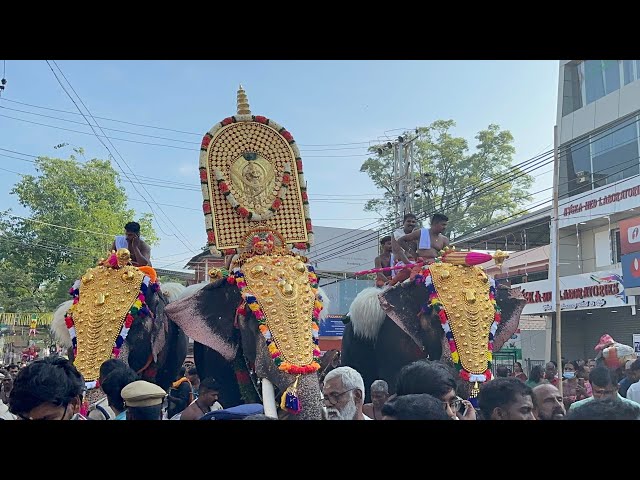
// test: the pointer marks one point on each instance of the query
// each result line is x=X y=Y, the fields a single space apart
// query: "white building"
x=599 y=186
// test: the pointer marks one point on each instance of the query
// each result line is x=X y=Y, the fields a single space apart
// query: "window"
x=601 y=77
x=599 y=160
x=572 y=92
x=616 y=250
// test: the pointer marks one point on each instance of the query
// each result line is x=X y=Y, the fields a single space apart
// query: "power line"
x=123 y=160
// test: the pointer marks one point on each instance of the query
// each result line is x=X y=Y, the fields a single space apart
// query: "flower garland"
x=204 y=179
x=253 y=305
x=435 y=305
x=139 y=309
x=244 y=212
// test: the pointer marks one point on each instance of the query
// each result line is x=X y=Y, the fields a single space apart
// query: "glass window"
x=615 y=154
x=594 y=80
x=611 y=70
x=575 y=166
x=572 y=94
x=628 y=68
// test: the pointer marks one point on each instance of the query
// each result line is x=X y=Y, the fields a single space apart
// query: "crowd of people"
x=53 y=389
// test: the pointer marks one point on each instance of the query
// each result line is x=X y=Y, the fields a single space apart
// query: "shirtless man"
x=384 y=260
x=430 y=240
x=139 y=250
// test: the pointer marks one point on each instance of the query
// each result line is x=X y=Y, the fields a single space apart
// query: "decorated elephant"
x=117 y=311
x=255 y=326
x=230 y=347
x=448 y=311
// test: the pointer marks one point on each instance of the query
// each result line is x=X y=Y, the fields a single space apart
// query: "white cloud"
x=188 y=170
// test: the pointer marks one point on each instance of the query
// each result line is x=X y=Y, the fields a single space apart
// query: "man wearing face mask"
x=572 y=390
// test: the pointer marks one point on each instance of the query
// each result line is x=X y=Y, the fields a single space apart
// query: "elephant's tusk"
x=269 y=399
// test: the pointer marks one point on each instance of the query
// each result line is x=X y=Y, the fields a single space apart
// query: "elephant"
x=387 y=330
x=230 y=348
x=155 y=347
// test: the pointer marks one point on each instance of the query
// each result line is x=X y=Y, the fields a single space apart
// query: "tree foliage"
x=470 y=187
x=39 y=260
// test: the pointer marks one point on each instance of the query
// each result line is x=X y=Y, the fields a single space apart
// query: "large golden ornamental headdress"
x=251 y=176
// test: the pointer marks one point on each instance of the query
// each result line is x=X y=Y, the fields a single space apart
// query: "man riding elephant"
x=449 y=311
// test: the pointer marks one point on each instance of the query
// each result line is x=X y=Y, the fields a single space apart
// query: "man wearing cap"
x=143 y=400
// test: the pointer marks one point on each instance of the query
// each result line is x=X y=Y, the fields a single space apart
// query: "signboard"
x=630 y=235
x=607 y=200
x=631 y=270
x=577 y=292
x=636 y=343
x=332 y=326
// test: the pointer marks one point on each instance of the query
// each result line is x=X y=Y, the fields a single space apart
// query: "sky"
x=334 y=110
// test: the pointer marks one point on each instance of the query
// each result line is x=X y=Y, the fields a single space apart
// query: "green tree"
x=469 y=187
x=75 y=210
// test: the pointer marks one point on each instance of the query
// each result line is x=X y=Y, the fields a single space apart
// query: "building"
x=599 y=190
x=201 y=264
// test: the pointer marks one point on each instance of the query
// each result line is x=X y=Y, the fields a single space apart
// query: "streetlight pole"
x=556 y=247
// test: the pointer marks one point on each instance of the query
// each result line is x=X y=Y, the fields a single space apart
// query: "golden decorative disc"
x=106 y=296
x=251 y=158
x=282 y=290
x=465 y=295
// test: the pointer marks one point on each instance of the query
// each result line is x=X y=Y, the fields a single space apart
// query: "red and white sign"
x=607 y=200
x=630 y=235
x=577 y=292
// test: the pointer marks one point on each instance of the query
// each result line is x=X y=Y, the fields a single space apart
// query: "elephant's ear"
x=402 y=304
x=208 y=317
x=511 y=303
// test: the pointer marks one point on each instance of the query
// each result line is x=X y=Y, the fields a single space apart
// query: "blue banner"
x=631 y=270
x=332 y=326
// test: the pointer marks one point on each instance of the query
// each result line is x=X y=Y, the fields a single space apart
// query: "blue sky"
x=322 y=103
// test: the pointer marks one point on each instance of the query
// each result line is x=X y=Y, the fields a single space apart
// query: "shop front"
x=592 y=304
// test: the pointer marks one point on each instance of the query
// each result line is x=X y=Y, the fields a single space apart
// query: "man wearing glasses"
x=343 y=394
x=604 y=385
x=47 y=389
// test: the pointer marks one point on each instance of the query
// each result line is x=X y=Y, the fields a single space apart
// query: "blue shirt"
x=121 y=416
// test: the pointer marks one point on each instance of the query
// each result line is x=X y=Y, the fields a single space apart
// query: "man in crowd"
x=379 y=395
x=430 y=240
x=143 y=400
x=415 y=407
x=47 y=389
x=343 y=394
x=208 y=393
x=547 y=403
x=604 y=384
x=506 y=399
x=605 y=409
x=113 y=385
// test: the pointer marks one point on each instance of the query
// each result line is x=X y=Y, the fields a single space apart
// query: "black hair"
x=50 y=380
x=416 y=407
x=385 y=239
x=408 y=215
x=499 y=393
x=111 y=365
x=153 y=412
x=439 y=218
x=605 y=409
x=209 y=384
x=425 y=376
x=502 y=371
x=602 y=377
x=113 y=384
x=635 y=365
x=133 y=227
x=12 y=365
x=182 y=372
x=536 y=373
x=193 y=371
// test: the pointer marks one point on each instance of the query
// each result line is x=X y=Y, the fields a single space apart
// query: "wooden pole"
x=556 y=246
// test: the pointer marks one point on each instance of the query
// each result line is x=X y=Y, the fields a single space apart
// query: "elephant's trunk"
x=310 y=398
x=268 y=398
